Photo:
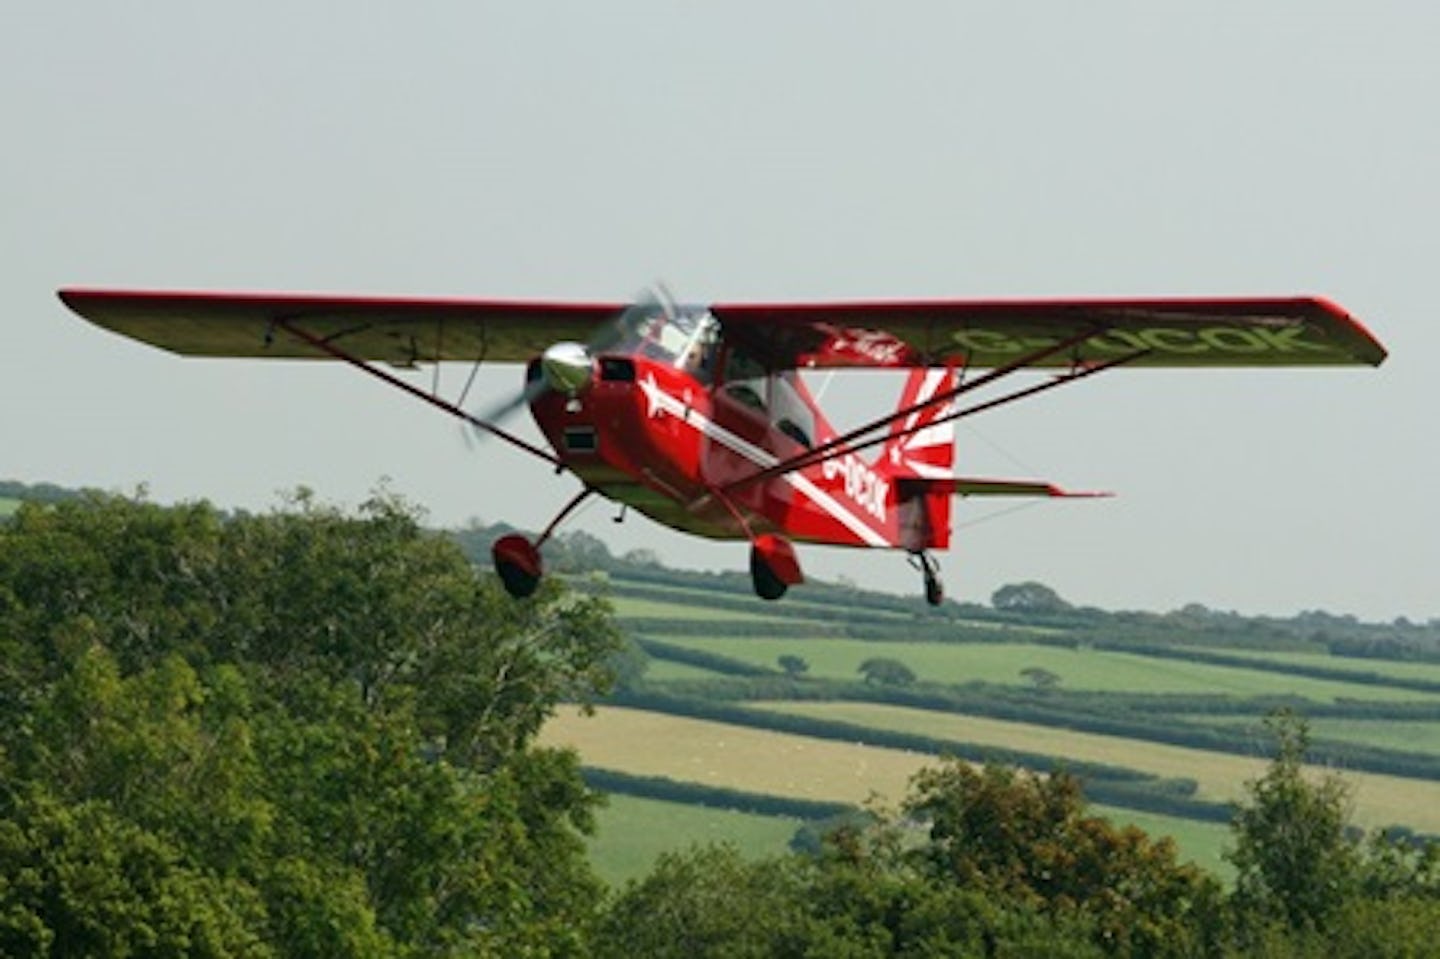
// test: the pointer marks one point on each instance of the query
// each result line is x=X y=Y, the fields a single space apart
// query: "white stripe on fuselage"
x=662 y=401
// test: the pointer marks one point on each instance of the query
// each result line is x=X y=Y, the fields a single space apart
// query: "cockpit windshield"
x=684 y=336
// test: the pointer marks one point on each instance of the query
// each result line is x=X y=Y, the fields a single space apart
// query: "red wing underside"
x=1289 y=331
x=398 y=331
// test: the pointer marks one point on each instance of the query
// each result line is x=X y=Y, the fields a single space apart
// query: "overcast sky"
x=759 y=150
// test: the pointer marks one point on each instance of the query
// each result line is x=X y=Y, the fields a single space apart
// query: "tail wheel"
x=518 y=564
x=934 y=589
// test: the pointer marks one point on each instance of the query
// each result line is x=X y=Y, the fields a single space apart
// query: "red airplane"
x=697 y=416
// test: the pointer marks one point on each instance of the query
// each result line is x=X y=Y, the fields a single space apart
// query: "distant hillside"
x=1024 y=605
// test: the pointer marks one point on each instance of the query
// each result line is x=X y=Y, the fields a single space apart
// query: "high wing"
x=1274 y=331
x=398 y=331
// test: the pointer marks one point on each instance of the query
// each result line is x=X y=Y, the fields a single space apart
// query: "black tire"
x=767 y=584
x=518 y=583
x=934 y=591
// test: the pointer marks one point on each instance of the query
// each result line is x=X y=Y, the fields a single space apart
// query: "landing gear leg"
x=934 y=590
x=517 y=560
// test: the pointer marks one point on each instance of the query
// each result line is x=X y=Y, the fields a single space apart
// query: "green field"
x=631 y=832
x=1417 y=737
x=8 y=505
x=628 y=606
x=1354 y=664
x=1081 y=669
x=1420 y=736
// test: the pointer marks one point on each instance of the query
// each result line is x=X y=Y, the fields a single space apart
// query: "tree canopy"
x=299 y=733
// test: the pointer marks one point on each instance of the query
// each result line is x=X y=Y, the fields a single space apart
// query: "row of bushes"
x=715 y=662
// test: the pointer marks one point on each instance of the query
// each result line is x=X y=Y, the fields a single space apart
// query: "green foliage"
x=305 y=733
x=1041 y=678
x=1030 y=597
x=793 y=665
x=884 y=671
x=710 y=902
x=1027 y=838
x=76 y=879
x=1294 y=858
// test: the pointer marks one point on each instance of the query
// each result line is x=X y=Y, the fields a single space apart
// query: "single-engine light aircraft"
x=697 y=416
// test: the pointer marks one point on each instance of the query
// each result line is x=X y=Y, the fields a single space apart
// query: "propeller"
x=567 y=367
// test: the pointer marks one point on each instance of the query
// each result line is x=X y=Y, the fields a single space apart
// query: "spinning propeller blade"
x=567 y=367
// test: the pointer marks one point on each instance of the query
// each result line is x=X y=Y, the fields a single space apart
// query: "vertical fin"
x=927 y=451
x=919 y=458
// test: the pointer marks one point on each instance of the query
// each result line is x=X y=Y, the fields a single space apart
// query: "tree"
x=886 y=672
x=1041 y=678
x=793 y=665
x=322 y=719
x=1028 y=597
x=1294 y=856
x=1026 y=838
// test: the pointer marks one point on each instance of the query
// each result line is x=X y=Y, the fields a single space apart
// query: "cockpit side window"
x=746 y=380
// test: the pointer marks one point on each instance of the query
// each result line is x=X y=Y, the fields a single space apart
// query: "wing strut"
x=838 y=445
x=436 y=401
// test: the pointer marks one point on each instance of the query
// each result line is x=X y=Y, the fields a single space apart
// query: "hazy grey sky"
x=757 y=150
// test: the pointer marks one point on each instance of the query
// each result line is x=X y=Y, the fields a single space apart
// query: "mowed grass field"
x=647 y=743
x=631 y=832
x=655 y=744
x=1081 y=669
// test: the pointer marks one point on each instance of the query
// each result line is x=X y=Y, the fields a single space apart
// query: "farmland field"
x=1380 y=800
x=631 y=832
x=1080 y=669
x=717 y=754
x=627 y=606
x=1381 y=667
x=1419 y=736
x=654 y=744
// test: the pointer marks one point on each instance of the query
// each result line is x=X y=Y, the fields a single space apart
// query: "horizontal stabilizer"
x=970 y=486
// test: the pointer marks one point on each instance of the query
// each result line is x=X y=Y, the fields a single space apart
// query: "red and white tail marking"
x=920 y=448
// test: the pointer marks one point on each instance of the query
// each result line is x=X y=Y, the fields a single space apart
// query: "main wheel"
x=767 y=584
x=518 y=564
